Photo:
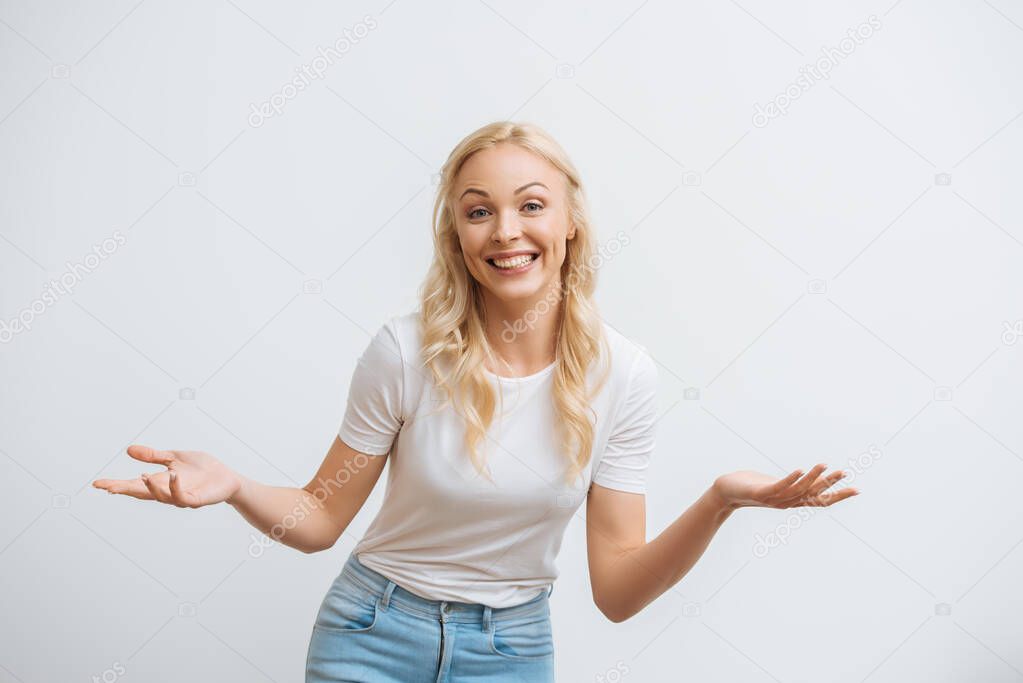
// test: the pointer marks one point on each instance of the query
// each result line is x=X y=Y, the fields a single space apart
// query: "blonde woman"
x=503 y=404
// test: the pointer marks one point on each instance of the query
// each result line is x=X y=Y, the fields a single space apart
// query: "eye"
x=538 y=205
x=472 y=214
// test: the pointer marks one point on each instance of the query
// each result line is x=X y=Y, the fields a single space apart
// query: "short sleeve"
x=631 y=443
x=373 y=415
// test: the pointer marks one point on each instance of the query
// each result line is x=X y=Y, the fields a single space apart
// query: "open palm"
x=753 y=489
x=192 y=478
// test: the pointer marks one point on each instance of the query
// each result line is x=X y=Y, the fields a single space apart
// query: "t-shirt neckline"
x=526 y=378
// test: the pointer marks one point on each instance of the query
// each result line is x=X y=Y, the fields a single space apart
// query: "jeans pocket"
x=522 y=638
x=348 y=607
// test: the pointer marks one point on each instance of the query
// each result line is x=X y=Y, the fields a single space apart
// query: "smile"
x=515 y=264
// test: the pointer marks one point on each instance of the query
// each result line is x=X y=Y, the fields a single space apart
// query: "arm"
x=627 y=573
x=313 y=517
x=309 y=519
x=319 y=512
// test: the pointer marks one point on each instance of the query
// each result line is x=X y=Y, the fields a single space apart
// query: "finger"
x=135 y=488
x=811 y=477
x=799 y=489
x=826 y=499
x=180 y=497
x=833 y=497
x=825 y=483
x=779 y=486
x=147 y=454
x=154 y=488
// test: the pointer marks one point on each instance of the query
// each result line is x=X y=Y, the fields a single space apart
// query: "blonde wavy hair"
x=453 y=316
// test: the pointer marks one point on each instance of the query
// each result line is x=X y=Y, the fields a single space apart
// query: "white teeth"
x=513 y=262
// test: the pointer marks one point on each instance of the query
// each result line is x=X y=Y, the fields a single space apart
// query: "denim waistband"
x=463 y=612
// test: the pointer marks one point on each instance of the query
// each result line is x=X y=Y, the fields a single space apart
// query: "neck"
x=523 y=333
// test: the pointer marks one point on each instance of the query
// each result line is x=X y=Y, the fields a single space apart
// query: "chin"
x=519 y=291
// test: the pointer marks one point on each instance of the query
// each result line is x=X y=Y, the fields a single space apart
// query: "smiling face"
x=510 y=202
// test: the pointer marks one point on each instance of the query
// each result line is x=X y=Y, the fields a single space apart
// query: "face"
x=512 y=217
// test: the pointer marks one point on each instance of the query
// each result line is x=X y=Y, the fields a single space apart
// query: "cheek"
x=470 y=246
x=552 y=235
x=556 y=240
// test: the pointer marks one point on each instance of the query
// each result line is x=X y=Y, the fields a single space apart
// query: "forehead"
x=505 y=167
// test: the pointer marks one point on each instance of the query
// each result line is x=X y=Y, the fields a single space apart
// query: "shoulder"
x=631 y=362
x=402 y=331
x=399 y=342
x=390 y=344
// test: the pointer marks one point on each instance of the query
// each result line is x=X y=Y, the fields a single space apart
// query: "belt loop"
x=385 y=599
x=486 y=618
x=550 y=591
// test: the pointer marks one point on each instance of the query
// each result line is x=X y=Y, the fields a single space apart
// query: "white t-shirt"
x=443 y=531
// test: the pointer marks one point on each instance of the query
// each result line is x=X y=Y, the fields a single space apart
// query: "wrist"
x=719 y=501
x=239 y=492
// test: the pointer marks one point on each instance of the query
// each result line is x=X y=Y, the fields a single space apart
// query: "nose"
x=508 y=228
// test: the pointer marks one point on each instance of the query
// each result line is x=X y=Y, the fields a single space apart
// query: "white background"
x=817 y=285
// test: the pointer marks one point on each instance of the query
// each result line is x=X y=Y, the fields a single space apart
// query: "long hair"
x=453 y=316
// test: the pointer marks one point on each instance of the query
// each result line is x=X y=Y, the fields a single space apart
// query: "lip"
x=520 y=269
x=509 y=254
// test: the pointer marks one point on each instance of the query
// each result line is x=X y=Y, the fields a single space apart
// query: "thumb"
x=179 y=496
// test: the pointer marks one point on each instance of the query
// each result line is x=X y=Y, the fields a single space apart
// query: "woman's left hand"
x=753 y=489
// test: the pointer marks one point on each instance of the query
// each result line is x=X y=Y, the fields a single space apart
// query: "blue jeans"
x=371 y=630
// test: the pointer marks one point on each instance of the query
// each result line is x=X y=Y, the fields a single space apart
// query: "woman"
x=503 y=403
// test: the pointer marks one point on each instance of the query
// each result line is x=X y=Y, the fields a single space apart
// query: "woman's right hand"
x=192 y=479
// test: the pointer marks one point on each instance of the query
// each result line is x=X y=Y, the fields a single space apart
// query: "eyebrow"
x=481 y=192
